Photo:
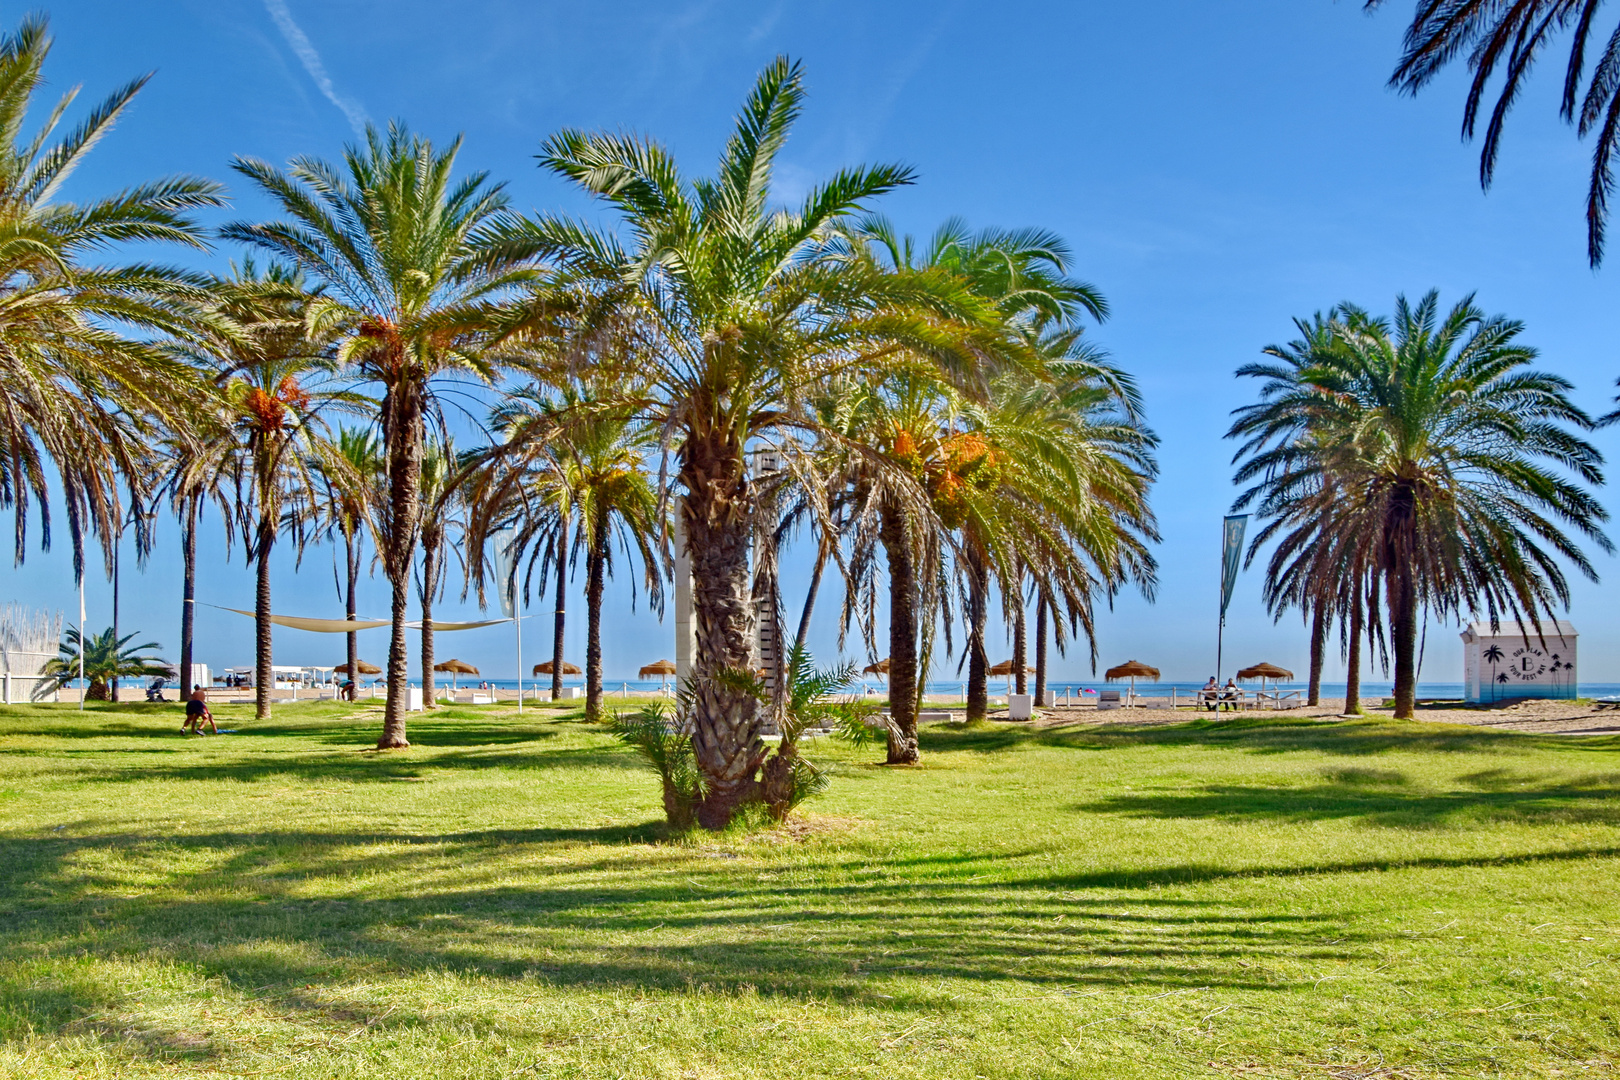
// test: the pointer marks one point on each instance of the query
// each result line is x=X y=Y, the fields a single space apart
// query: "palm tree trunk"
x=1040 y=653
x=264 y=677
x=403 y=427
x=1319 y=630
x=562 y=592
x=822 y=551
x=430 y=583
x=1352 y=673
x=726 y=720
x=1403 y=628
x=978 y=690
x=351 y=554
x=1020 y=649
x=595 y=580
x=902 y=638
x=188 y=606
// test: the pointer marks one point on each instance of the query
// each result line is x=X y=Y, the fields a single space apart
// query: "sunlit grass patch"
x=503 y=899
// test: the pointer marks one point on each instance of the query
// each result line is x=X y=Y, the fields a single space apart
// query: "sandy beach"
x=1530 y=715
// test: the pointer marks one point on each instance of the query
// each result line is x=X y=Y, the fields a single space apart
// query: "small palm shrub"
x=651 y=732
x=787 y=779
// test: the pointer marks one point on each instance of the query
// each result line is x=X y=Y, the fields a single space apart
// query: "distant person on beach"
x=197 y=712
x=349 y=690
x=1230 y=692
x=1211 y=694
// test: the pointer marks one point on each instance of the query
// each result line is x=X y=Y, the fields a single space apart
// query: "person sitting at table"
x=1230 y=692
x=1210 y=694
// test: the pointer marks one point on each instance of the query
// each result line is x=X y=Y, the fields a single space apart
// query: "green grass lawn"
x=1229 y=899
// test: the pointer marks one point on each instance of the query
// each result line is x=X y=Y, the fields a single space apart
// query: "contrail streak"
x=312 y=64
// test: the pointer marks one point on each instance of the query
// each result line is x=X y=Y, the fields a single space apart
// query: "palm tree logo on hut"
x=1494 y=656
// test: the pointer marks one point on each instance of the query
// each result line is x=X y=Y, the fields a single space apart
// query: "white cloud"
x=312 y=63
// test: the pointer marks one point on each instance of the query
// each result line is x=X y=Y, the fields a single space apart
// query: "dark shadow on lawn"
x=1501 y=796
x=1259 y=736
x=692 y=921
x=666 y=919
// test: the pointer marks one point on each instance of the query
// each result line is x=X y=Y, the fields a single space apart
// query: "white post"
x=81 y=643
x=517 y=621
x=8 y=687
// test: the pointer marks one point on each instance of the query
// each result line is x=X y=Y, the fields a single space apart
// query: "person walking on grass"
x=197 y=713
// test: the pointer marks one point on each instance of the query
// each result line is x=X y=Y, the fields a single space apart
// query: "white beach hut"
x=1517 y=661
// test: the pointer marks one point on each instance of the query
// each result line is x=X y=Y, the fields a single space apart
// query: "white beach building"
x=1518 y=661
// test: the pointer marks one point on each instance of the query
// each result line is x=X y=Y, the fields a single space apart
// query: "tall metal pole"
x=517 y=621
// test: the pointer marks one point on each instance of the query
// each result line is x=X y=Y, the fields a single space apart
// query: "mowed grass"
x=1215 y=899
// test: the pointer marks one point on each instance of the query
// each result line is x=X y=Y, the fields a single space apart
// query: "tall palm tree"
x=1511 y=37
x=736 y=316
x=566 y=455
x=272 y=389
x=1022 y=276
x=1445 y=483
x=443 y=521
x=82 y=385
x=350 y=473
x=1053 y=484
x=188 y=489
x=391 y=238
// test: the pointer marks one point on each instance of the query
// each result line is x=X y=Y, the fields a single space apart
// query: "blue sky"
x=1217 y=168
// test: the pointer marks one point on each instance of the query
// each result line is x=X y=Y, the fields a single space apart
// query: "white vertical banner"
x=503 y=542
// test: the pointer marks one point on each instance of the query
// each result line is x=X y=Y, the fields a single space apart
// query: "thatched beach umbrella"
x=455 y=667
x=363 y=668
x=663 y=669
x=1007 y=668
x=1264 y=672
x=1132 y=669
x=880 y=667
x=545 y=668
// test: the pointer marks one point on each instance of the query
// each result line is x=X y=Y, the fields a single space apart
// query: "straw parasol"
x=1007 y=668
x=662 y=668
x=1132 y=670
x=881 y=667
x=545 y=668
x=1264 y=672
x=455 y=667
x=365 y=668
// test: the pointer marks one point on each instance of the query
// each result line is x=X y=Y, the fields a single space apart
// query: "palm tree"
x=1444 y=487
x=271 y=396
x=77 y=394
x=1052 y=481
x=1512 y=37
x=731 y=315
x=568 y=455
x=106 y=660
x=188 y=488
x=349 y=474
x=1022 y=276
x=391 y=240
x=442 y=519
x=1311 y=566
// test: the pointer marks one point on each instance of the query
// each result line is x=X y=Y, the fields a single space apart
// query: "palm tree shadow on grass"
x=1577 y=801
x=1260 y=735
x=890 y=936
x=670 y=920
